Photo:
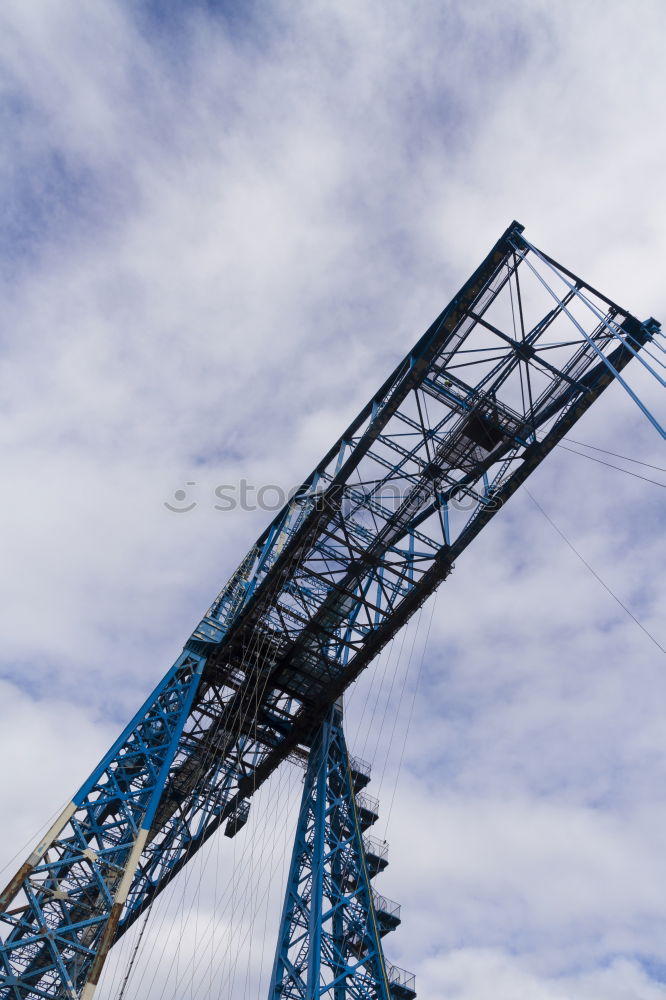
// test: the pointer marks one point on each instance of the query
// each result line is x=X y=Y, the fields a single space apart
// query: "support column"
x=330 y=938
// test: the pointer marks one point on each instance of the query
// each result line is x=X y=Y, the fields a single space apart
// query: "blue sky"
x=220 y=232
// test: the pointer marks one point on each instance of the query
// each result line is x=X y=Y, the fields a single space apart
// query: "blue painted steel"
x=333 y=921
x=616 y=331
x=71 y=884
x=481 y=399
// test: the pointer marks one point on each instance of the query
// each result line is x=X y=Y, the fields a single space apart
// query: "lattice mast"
x=506 y=370
x=333 y=921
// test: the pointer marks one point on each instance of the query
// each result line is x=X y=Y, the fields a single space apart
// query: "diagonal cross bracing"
x=370 y=534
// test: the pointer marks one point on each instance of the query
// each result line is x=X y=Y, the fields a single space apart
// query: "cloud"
x=465 y=975
x=220 y=233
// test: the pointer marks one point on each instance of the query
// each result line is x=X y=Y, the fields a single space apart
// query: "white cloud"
x=219 y=237
x=466 y=975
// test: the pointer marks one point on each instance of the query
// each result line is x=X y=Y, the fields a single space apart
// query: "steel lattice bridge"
x=511 y=364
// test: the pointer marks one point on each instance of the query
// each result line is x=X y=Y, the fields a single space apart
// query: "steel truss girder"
x=324 y=588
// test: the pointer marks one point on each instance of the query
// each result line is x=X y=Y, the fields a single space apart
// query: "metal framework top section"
x=510 y=364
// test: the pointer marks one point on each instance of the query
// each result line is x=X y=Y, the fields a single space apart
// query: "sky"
x=222 y=226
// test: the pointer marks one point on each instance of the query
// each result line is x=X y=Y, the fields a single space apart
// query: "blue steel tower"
x=330 y=938
x=502 y=375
